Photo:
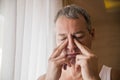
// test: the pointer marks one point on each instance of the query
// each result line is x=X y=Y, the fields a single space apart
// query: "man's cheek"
x=59 y=42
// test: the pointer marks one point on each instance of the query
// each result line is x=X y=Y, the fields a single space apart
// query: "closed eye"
x=59 y=38
x=78 y=36
x=62 y=38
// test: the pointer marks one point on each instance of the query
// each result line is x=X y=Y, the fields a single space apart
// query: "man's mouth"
x=71 y=57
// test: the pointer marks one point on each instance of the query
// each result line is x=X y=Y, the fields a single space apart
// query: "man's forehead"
x=70 y=26
x=72 y=30
x=70 y=22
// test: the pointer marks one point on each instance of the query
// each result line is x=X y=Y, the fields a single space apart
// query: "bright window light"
x=1 y=38
x=0 y=57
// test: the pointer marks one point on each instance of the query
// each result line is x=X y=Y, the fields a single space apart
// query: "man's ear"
x=93 y=33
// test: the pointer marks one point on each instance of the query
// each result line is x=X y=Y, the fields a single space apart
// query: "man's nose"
x=71 y=44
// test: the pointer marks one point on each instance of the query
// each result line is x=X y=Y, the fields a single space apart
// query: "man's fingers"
x=83 y=48
x=60 y=56
x=80 y=57
x=59 y=49
x=81 y=60
x=62 y=59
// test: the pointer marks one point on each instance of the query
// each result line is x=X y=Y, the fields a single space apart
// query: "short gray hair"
x=74 y=12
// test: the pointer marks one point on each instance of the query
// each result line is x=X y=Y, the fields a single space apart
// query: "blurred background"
x=105 y=15
x=27 y=35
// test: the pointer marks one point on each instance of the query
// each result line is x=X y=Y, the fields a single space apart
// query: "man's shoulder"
x=42 y=77
x=115 y=74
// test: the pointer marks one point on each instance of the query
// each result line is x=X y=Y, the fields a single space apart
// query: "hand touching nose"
x=88 y=63
x=55 y=63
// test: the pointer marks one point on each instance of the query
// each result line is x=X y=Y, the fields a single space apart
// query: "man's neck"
x=67 y=74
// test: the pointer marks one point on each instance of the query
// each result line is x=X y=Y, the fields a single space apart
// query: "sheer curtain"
x=28 y=37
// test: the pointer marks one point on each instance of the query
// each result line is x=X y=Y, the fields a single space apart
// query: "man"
x=73 y=58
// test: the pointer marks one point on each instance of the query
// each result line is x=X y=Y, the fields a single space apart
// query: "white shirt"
x=105 y=73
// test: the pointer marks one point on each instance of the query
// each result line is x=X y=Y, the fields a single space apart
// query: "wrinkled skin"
x=73 y=38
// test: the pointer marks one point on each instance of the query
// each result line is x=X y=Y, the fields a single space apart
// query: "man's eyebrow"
x=79 y=32
x=62 y=34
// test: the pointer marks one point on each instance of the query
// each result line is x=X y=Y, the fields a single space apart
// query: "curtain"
x=28 y=37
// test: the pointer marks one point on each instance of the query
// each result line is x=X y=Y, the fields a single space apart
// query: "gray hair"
x=74 y=12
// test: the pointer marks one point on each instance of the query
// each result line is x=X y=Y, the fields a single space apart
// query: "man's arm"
x=115 y=74
x=42 y=77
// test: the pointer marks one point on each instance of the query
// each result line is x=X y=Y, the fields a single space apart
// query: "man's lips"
x=72 y=55
x=71 y=58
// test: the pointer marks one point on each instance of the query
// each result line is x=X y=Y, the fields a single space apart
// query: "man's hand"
x=56 y=61
x=87 y=62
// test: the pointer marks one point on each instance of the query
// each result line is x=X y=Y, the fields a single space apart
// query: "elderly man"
x=73 y=58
